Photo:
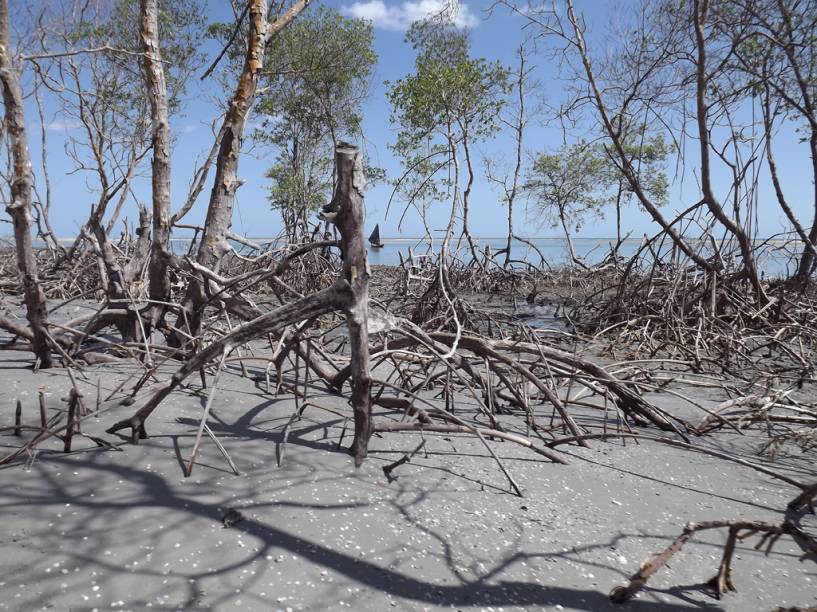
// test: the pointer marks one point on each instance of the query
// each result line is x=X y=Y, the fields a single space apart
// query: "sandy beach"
x=101 y=529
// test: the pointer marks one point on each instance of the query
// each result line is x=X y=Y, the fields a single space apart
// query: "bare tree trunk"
x=807 y=261
x=452 y=159
x=20 y=206
x=510 y=234
x=618 y=217
x=466 y=194
x=222 y=197
x=46 y=231
x=701 y=9
x=346 y=210
x=805 y=88
x=159 y=281
x=809 y=245
x=220 y=209
x=119 y=279
x=569 y=239
x=519 y=130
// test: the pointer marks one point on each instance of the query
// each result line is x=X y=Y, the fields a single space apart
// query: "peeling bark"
x=159 y=280
x=225 y=184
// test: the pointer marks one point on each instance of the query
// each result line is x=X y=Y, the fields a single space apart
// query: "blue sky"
x=495 y=38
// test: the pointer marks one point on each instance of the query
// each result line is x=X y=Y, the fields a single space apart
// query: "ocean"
x=774 y=256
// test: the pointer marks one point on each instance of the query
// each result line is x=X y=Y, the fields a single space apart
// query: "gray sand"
x=125 y=530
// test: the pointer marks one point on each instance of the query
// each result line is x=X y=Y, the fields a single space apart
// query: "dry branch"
x=722 y=581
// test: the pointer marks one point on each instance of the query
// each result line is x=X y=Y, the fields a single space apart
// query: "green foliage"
x=581 y=179
x=648 y=157
x=448 y=90
x=116 y=24
x=318 y=70
x=302 y=188
x=316 y=76
x=449 y=100
x=569 y=184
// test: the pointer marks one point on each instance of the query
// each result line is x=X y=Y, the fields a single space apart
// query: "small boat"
x=374 y=239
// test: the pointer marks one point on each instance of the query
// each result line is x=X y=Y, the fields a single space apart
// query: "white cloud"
x=58 y=125
x=399 y=16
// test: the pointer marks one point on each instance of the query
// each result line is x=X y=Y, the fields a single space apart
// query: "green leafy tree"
x=448 y=103
x=316 y=76
x=583 y=180
x=567 y=186
x=647 y=156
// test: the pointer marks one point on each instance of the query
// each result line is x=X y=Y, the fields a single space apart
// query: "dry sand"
x=125 y=530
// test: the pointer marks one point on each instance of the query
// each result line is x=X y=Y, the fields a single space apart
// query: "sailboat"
x=374 y=239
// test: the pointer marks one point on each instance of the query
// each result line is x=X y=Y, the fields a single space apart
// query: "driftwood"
x=416 y=346
x=722 y=582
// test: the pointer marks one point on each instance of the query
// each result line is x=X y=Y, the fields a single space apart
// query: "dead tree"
x=19 y=208
x=785 y=70
x=702 y=112
x=349 y=294
x=346 y=210
x=509 y=183
x=575 y=38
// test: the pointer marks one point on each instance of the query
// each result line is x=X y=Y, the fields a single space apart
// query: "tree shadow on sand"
x=156 y=494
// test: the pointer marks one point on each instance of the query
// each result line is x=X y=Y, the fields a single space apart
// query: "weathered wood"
x=346 y=212
x=332 y=298
x=72 y=420
x=722 y=580
x=349 y=293
x=18 y=416
x=804 y=500
x=19 y=208
x=43 y=422
x=120 y=278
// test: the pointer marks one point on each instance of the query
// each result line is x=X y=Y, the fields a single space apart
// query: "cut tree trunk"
x=19 y=209
x=346 y=211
